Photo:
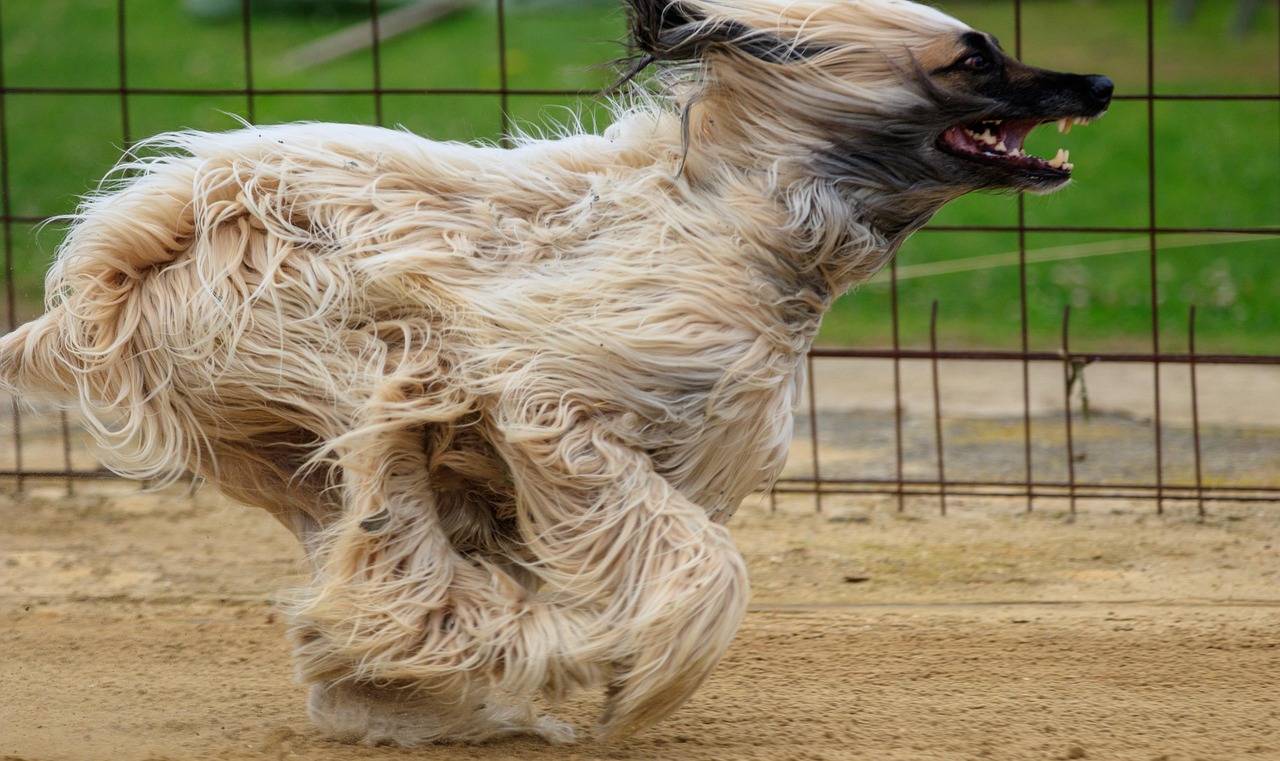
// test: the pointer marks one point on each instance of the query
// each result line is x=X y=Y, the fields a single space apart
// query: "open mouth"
x=998 y=142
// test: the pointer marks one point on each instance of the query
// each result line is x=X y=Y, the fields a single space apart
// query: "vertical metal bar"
x=937 y=407
x=1017 y=29
x=122 y=68
x=11 y=295
x=1028 y=467
x=18 y=465
x=246 y=42
x=1069 y=370
x=813 y=434
x=11 y=304
x=1154 y=254
x=377 y=62
x=1022 y=302
x=126 y=138
x=897 y=385
x=504 y=92
x=1195 y=411
x=64 y=421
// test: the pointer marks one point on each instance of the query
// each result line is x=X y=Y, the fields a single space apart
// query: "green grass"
x=1217 y=164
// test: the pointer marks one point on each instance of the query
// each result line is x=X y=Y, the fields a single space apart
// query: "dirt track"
x=140 y=627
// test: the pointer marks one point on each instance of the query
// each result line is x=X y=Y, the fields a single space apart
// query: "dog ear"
x=672 y=30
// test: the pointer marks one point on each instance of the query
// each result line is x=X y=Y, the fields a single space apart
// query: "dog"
x=506 y=398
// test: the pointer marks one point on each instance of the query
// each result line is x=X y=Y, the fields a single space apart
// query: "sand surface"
x=140 y=626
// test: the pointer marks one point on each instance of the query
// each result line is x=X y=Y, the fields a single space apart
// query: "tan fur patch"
x=943 y=51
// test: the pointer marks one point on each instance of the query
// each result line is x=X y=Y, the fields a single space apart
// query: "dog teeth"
x=1001 y=147
x=986 y=138
x=1066 y=123
x=1060 y=161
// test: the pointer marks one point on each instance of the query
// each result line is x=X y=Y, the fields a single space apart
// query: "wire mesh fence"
x=1116 y=341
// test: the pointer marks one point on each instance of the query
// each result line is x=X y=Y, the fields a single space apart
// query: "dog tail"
x=21 y=371
x=82 y=351
x=181 y=280
x=133 y=223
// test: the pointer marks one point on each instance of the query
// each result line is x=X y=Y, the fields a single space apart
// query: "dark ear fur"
x=670 y=30
x=655 y=25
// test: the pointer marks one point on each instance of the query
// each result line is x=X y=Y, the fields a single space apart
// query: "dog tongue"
x=1015 y=132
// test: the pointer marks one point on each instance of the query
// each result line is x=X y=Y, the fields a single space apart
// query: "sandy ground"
x=140 y=626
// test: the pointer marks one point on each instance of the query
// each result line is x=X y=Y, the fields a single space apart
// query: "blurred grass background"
x=1217 y=163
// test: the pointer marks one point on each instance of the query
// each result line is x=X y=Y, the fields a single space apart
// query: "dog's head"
x=1021 y=98
x=884 y=94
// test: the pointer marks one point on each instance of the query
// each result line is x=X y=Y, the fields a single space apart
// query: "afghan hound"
x=507 y=397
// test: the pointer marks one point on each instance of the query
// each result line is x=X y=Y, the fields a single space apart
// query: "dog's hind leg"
x=666 y=586
x=404 y=636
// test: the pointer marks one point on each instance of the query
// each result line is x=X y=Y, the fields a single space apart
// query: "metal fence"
x=915 y=454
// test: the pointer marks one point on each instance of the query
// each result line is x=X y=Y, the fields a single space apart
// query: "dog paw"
x=675 y=642
x=630 y=707
x=553 y=731
x=367 y=715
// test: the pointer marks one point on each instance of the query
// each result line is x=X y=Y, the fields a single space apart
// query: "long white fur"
x=505 y=398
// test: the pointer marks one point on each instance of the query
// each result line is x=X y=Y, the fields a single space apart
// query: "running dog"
x=506 y=398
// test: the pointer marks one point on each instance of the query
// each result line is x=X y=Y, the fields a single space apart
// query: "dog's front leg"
x=667 y=587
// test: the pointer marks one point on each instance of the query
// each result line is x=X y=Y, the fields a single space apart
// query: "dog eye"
x=976 y=63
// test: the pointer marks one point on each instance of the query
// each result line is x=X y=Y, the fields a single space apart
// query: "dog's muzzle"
x=997 y=143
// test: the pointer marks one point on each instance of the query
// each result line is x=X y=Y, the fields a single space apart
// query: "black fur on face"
x=983 y=69
x=968 y=128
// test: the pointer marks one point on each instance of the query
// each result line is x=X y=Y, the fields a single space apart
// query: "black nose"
x=1100 y=88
